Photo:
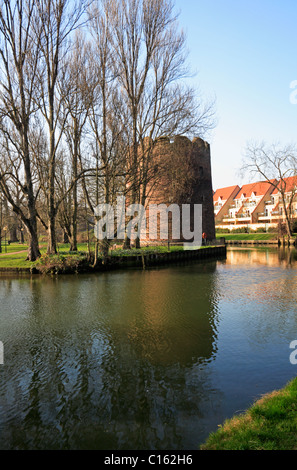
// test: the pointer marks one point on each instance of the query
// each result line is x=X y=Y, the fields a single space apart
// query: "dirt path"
x=12 y=253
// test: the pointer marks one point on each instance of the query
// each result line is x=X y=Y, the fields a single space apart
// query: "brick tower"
x=183 y=176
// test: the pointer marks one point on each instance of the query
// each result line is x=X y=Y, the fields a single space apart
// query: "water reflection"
x=143 y=360
x=282 y=256
x=110 y=361
x=270 y=293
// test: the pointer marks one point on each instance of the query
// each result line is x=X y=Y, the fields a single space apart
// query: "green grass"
x=247 y=236
x=15 y=261
x=13 y=247
x=64 y=247
x=270 y=424
x=18 y=260
x=145 y=250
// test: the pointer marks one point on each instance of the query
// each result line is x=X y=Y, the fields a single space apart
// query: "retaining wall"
x=279 y=242
x=155 y=259
x=140 y=261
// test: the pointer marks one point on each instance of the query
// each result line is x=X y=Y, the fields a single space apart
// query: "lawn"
x=14 y=259
x=11 y=258
x=270 y=424
x=247 y=236
x=145 y=250
x=15 y=254
x=13 y=247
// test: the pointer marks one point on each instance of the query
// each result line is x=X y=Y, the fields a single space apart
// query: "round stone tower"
x=183 y=176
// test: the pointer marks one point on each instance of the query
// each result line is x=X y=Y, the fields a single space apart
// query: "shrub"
x=59 y=264
x=240 y=230
x=294 y=226
x=223 y=230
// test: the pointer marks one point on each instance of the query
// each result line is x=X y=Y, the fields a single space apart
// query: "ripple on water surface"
x=152 y=360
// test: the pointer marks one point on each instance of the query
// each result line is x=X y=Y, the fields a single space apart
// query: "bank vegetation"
x=270 y=424
x=87 y=88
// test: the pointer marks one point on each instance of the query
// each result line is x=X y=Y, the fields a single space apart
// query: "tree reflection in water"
x=152 y=359
x=109 y=361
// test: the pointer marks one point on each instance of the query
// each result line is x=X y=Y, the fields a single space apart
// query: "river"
x=153 y=359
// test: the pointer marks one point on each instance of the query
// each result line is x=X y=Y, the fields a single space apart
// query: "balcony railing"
x=249 y=204
x=243 y=216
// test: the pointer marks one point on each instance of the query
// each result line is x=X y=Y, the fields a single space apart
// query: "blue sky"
x=245 y=54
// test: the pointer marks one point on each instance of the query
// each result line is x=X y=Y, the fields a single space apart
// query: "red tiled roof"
x=290 y=184
x=225 y=193
x=259 y=189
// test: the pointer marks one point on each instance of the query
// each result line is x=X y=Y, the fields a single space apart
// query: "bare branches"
x=79 y=119
x=274 y=163
x=270 y=161
x=18 y=58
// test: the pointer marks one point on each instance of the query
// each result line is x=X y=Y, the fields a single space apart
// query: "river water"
x=151 y=359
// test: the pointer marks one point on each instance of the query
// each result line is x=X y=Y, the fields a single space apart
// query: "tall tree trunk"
x=31 y=224
x=287 y=216
x=74 y=191
x=52 y=244
x=33 y=249
x=134 y=171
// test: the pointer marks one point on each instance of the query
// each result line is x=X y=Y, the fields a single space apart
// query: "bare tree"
x=274 y=163
x=149 y=62
x=100 y=109
x=107 y=112
x=57 y=19
x=19 y=57
x=77 y=87
x=95 y=111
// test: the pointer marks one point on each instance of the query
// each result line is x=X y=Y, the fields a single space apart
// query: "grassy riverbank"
x=247 y=236
x=14 y=256
x=270 y=424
